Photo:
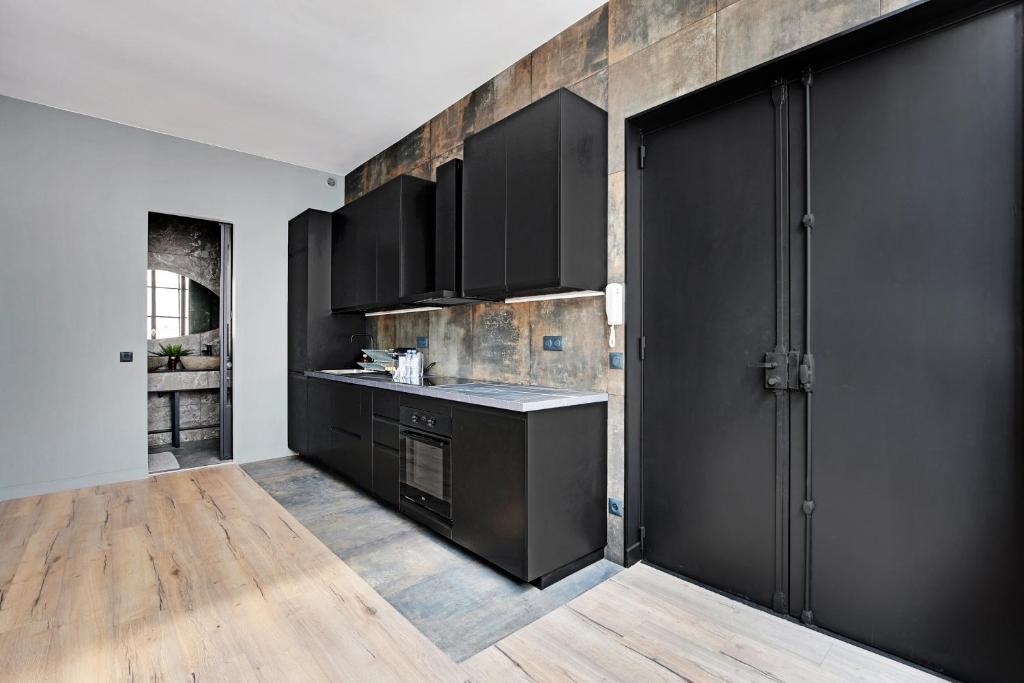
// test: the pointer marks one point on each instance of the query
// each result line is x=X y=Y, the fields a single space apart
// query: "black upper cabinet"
x=532 y=185
x=317 y=338
x=535 y=201
x=483 y=214
x=354 y=258
x=383 y=246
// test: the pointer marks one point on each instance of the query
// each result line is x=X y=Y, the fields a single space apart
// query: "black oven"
x=426 y=462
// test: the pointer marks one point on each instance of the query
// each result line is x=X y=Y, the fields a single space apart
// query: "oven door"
x=426 y=472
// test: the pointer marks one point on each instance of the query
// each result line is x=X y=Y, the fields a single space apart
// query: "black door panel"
x=910 y=263
x=916 y=330
x=709 y=315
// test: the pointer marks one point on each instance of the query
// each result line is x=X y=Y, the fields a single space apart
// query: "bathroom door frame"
x=227 y=341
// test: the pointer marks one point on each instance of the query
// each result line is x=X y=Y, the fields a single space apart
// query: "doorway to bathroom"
x=189 y=325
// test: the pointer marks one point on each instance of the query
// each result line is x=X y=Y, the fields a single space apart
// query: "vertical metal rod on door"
x=779 y=96
x=807 y=365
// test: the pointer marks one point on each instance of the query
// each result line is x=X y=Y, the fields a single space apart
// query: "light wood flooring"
x=202 y=576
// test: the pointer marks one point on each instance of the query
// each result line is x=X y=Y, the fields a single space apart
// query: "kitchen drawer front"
x=385 y=404
x=430 y=405
x=385 y=474
x=385 y=433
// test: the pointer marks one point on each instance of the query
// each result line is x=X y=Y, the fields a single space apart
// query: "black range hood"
x=447 y=242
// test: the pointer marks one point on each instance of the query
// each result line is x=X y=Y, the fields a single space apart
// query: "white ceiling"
x=318 y=83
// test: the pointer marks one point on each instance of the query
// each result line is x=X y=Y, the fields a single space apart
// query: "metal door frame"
x=227 y=341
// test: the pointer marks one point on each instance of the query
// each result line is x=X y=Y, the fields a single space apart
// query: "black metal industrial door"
x=916 y=331
x=905 y=489
x=709 y=316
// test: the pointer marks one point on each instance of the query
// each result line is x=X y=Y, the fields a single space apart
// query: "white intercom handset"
x=614 y=306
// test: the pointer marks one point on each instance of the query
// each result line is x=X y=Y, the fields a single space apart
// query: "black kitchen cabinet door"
x=535 y=201
x=483 y=211
x=318 y=414
x=354 y=258
x=385 y=474
x=489 y=486
x=298 y=310
x=340 y=435
x=298 y=424
x=383 y=216
x=384 y=246
x=532 y=232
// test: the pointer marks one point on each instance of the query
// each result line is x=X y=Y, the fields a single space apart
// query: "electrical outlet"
x=127 y=356
x=422 y=342
x=553 y=343
x=615 y=506
x=616 y=361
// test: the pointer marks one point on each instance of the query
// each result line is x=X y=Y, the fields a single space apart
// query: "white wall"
x=74 y=197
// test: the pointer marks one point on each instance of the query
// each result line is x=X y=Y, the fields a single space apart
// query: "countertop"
x=521 y=398
x=183 y=380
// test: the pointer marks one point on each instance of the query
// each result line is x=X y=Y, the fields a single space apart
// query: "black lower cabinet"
x=528 y=489
x=337 y=419
x=489 y=486
x=297 y=420
x=385 y=474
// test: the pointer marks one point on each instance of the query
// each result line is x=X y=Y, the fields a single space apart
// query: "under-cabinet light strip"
x=397 y=311
x=550 y=297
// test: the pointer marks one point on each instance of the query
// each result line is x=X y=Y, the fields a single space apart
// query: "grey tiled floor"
x=460 y=603
x=194 y=453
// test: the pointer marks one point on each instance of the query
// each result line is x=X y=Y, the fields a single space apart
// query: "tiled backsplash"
x=504 y=342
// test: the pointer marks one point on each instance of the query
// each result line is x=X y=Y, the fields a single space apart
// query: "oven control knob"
x=415 y=418
x=431 y=422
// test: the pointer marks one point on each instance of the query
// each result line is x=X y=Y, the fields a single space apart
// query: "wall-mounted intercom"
x=614 y=306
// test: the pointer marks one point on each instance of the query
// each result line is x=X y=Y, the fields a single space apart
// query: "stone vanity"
x=183 y=405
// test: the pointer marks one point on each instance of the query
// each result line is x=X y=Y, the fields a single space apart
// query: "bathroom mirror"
x=177 y=306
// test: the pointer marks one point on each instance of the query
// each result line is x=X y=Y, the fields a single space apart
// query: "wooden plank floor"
x=202 y=576
x=645 y=625
x=191 y=576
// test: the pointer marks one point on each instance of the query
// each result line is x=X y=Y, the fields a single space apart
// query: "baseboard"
x=38 y=488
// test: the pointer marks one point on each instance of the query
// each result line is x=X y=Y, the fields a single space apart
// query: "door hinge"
x=643 y=347
x=643 y=155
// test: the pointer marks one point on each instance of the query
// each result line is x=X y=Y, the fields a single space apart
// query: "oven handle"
x=419 y=436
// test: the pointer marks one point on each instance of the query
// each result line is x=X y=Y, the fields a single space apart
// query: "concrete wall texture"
x=627 y=56
x=75 y=193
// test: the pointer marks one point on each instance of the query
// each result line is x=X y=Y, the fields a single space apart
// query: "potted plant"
x=173 y=352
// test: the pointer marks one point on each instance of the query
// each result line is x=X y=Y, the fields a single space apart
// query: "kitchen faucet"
x=373 y=340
